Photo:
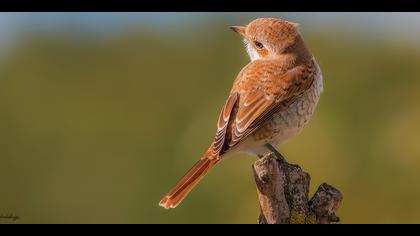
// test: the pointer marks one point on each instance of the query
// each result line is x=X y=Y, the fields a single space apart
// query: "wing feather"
x=222 y=124
x=245 y=111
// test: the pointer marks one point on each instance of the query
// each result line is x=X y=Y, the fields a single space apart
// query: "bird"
x=272 y=99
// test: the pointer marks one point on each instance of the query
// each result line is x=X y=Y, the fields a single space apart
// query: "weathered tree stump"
x=283 y=191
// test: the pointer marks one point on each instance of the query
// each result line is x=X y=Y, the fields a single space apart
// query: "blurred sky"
x=384 y=25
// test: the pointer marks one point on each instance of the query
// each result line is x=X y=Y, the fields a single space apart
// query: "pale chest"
x=293 y=117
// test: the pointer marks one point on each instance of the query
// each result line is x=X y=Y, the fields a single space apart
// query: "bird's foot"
x=280 y=157
x=276 y=153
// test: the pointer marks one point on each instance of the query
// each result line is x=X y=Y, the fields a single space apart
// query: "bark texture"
x=283 y=191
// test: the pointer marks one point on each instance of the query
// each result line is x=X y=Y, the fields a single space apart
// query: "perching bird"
x=272 y=99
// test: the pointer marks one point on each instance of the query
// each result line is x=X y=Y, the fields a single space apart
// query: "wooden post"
x=283 y=191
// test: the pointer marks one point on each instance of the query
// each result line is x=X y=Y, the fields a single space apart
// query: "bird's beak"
x=239 y=29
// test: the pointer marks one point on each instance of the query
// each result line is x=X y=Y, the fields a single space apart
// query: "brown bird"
x=272 y=99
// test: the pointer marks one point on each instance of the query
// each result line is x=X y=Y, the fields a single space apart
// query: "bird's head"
x=268 y=37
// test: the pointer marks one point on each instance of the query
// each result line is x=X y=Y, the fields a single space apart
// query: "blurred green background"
x=101 y=113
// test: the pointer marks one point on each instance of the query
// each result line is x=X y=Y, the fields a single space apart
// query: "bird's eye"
x=259 y=45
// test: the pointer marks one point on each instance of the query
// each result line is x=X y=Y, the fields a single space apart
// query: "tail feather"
x=187 y=183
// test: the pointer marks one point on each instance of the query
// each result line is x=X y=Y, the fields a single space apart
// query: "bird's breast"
x=293 y=117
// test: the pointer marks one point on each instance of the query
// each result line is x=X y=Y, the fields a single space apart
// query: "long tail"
x=188 y=182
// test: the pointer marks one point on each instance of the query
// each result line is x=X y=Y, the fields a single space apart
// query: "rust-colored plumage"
x=271 y=100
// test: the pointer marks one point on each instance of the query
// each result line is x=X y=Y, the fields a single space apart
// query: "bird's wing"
x=244 y=112
x=222 y=124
